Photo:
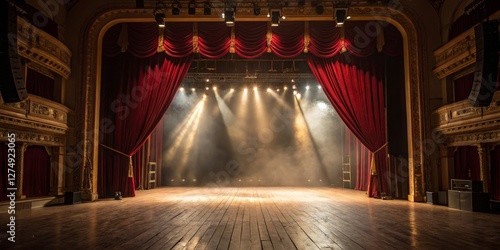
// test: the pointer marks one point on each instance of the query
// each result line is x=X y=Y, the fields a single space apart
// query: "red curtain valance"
x=252 y=39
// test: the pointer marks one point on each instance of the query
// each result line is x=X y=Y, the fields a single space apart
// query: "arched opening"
x=360 y=44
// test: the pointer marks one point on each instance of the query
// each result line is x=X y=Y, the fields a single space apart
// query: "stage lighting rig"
x=176 y=7
x=159 y=13
x=192 y=7
x=207 y=8
x=341 y=12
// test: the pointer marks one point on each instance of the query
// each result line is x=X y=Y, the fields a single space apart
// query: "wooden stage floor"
x=252 y=218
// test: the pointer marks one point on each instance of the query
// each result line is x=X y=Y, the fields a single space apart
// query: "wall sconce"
x=176 y=5
x=159 y=13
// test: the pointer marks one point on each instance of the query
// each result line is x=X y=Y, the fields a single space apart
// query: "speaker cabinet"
x=485 y=75
x=72 y=197
x=13 y=87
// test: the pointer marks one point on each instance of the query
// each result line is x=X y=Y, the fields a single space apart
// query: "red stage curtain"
x=250 y=39
x=288 y=39
x=325 y=40
x=360 y=158
x=139 y=39
x=462 y=87
x=467 y=163
x=214 y=39
x=354 y=86
x=135 y=95
x=361 y=37
x=36 y=175
x=178 y=39
x=39 y=84
x=495 y=174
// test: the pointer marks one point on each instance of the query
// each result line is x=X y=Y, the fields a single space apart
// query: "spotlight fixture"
x=192 y=7
x=256 y=9
x=228 y=15
x=275 y=17
x=176 y=5
x=341 y=12
x=193 y=89
x=182 y=88
x=207 y=8
x=159 y=13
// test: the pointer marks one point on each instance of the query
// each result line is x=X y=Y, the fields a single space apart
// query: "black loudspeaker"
x=13 y=87
x=72 y=197
x=485 y=76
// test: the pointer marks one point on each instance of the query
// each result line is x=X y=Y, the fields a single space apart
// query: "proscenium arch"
x=91 y=86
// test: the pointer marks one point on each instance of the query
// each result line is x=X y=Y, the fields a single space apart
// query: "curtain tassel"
x=373 y=167
x=130 y=167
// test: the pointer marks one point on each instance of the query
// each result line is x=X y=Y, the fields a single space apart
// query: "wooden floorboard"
x=251 y=218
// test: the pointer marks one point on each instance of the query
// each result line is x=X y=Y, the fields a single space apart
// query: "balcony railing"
x=465 y=124
x=35 y=114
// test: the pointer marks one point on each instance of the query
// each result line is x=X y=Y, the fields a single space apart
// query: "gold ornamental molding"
x=456 y=54
x=41 y=48
x=463 y=120
x=33 y=138
x=36 y=114
x=490 y=137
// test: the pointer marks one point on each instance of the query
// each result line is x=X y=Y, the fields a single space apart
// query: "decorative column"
x=484 y=165
x=20 y=148
x=89 y=187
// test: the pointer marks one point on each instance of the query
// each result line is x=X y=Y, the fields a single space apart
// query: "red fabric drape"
x=467 y=163
x=139 y=39
x=495 y=174
x=462 y=87
x=251 y=39
x=361 y=37
x=4 y=168
x=178 y=39
x=39 y=84
x=362 y=160
x=135 y=95
x=214 y=39
x=288 y=39
x=355 y=89
x=325 y=40
x=36 y=175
